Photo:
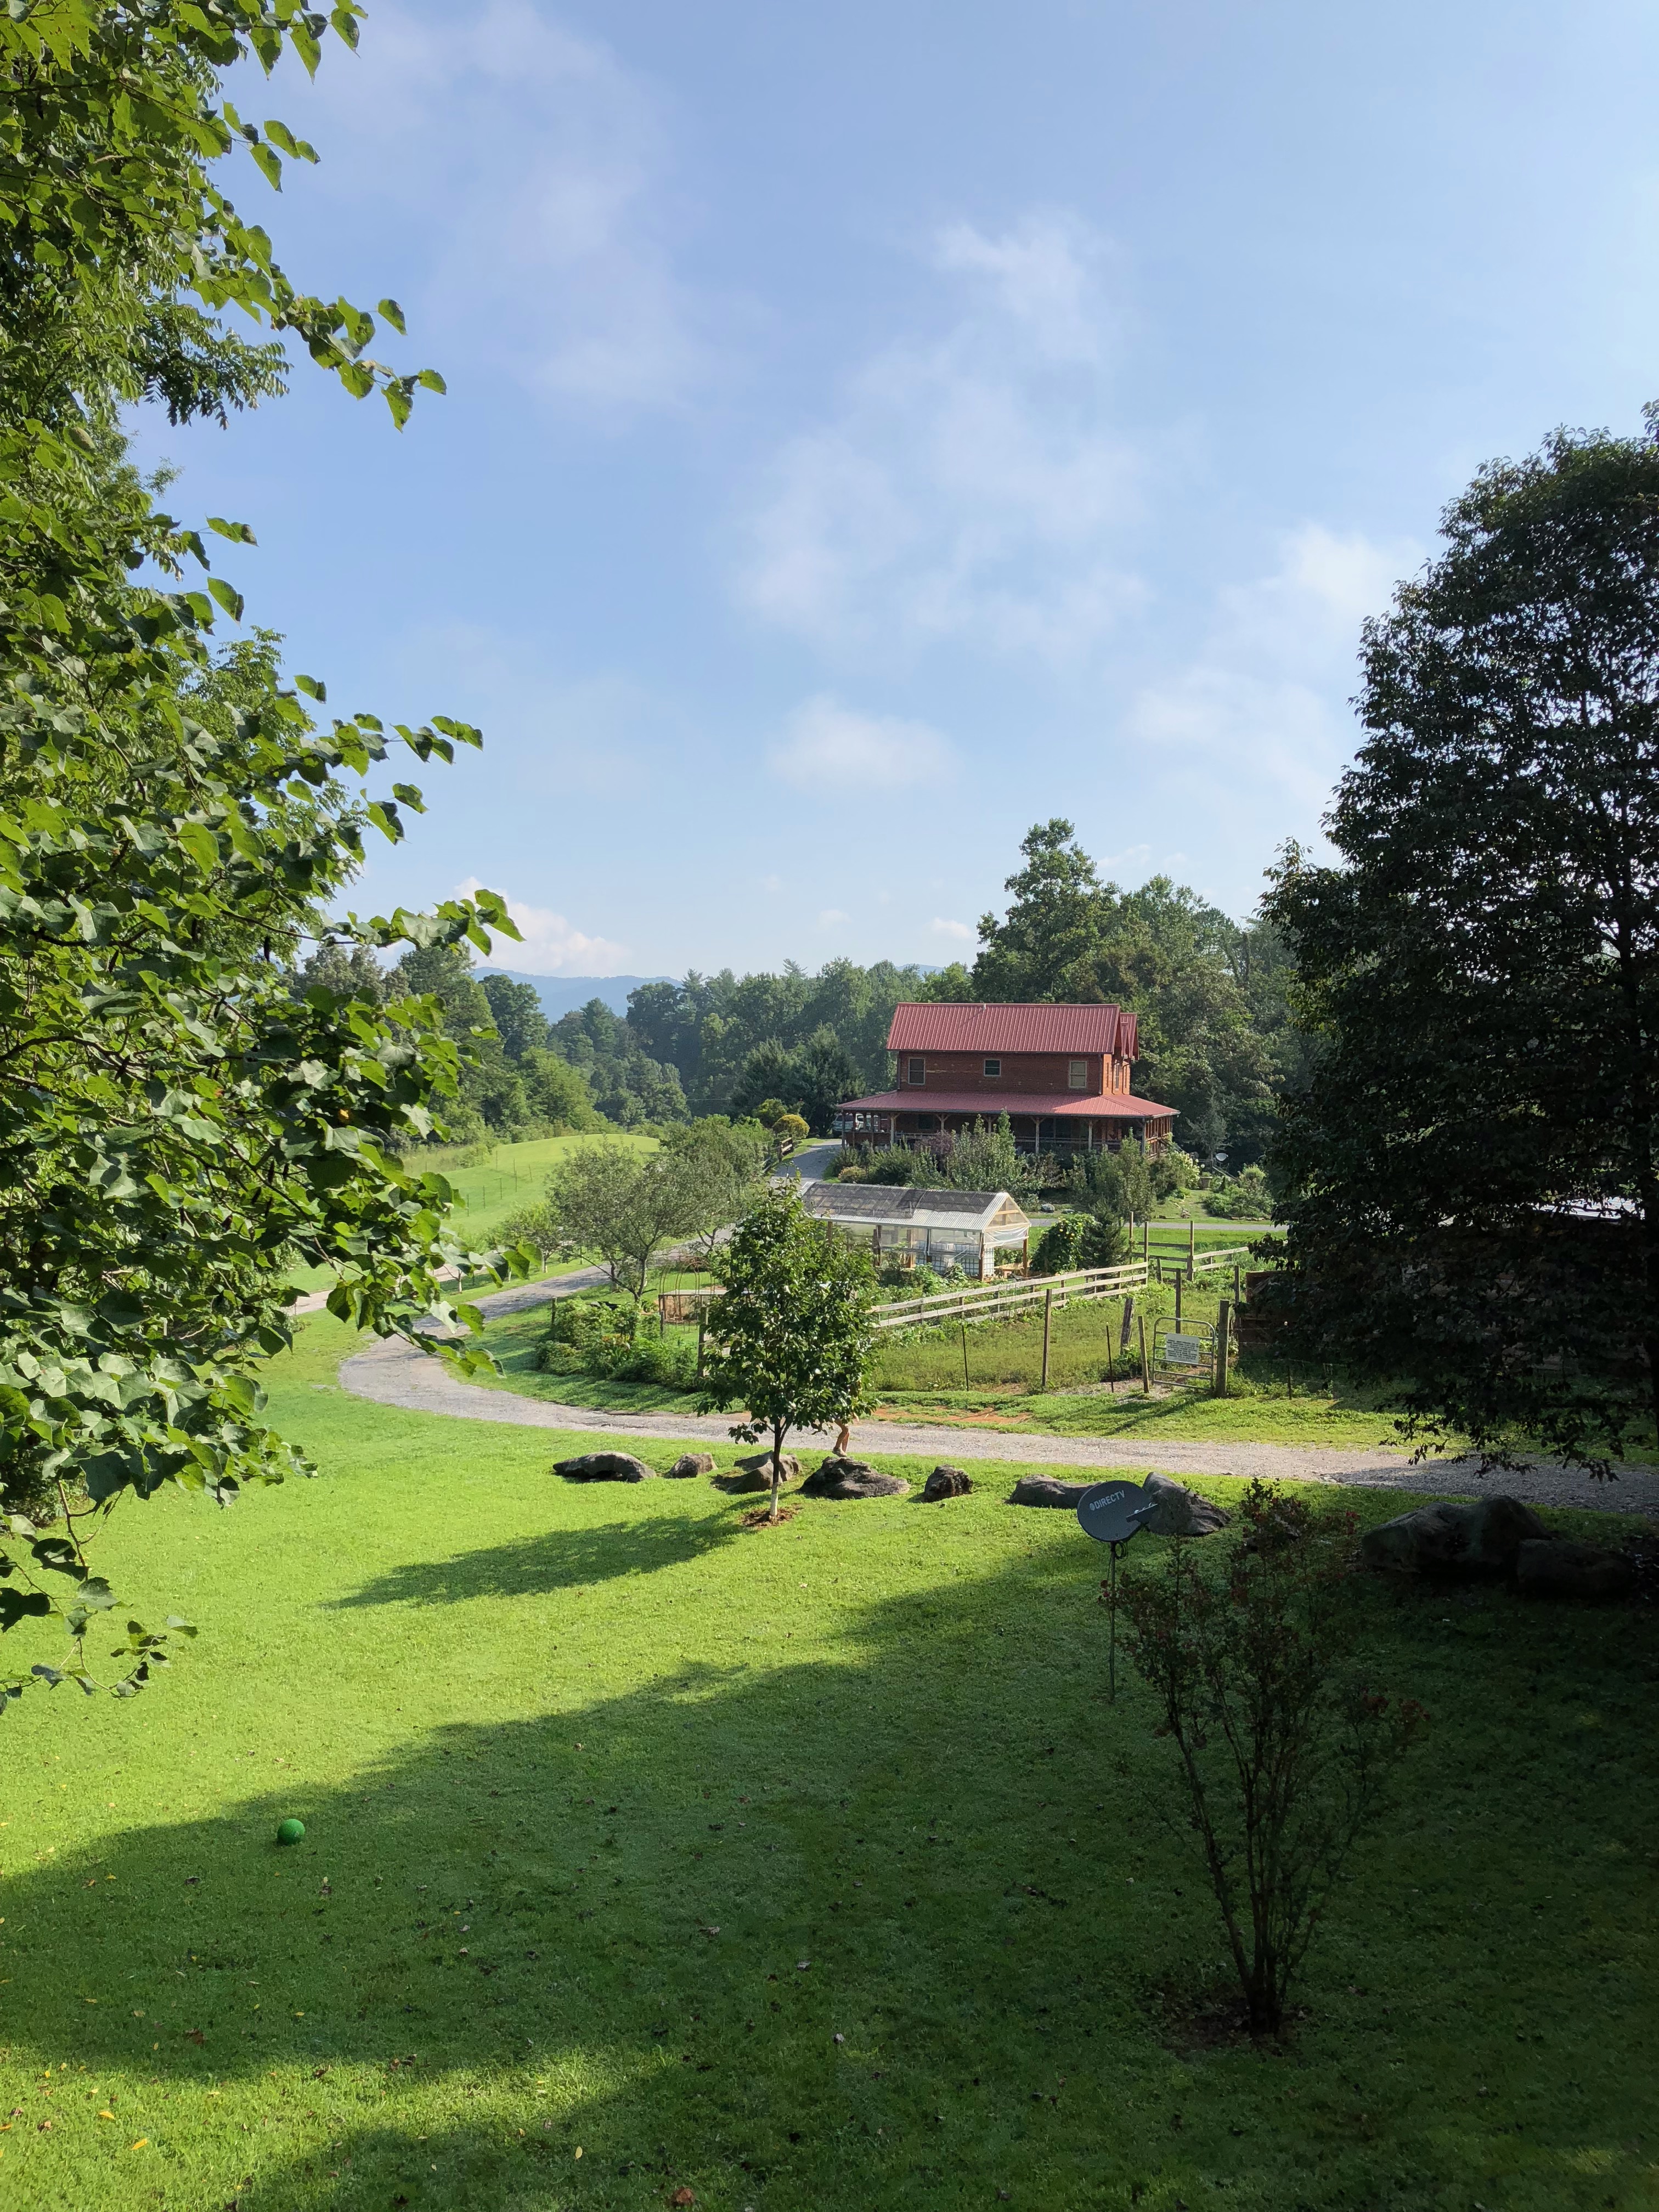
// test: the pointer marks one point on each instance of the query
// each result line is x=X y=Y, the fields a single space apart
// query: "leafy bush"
x=1058 y=1249
x=603 y=1336
x=1245 y=1197
x=1284 y=1750
x=900 y=1165
x=1173 y=1171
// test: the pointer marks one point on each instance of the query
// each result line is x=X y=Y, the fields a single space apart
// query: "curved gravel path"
x=395 y=1372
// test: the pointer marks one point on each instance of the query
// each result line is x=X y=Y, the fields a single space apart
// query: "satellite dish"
x=1112 y=1512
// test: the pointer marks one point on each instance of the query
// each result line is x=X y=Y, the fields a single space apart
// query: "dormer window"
x=993 y=1067
x=918 y=1071
x=1077 y=1076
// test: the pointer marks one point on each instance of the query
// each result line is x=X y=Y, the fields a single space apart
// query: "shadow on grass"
x=850 y=1930
x=554 y=1559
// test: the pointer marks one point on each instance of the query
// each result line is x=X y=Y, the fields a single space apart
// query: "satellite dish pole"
x=1114 y=1514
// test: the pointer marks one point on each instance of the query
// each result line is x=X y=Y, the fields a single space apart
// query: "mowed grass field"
x=806 y=1870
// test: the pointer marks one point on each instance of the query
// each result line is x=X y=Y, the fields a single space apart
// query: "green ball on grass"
x=291 y=1831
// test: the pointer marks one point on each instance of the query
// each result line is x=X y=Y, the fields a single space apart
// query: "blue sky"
x=873 y=429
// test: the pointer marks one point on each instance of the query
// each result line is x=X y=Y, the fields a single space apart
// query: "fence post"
x=703 y=1323
x=1146 y=1240
x=1177 y=1302
x=1223 y=1325
x=1192 y=1246
x=1047 y=1317
x=1128 y=1315
x=1145 y=1363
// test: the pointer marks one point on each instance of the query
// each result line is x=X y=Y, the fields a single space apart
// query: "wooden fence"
x=1005 y=1300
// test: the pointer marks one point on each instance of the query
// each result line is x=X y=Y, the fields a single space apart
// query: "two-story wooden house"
x=1060 y=1073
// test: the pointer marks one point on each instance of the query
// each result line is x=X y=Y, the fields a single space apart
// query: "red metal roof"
x=1016 y=1025
x=1069 y=1105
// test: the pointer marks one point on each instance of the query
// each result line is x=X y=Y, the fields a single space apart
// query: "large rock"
x=1465 y=1538
x=852 y=1478
x=946 y=1482
x=1181 y=1511
x=1554 y=1566
x=689 y=1464
x=604 y=1467
x=755 y=1473
x=1044 y=1490
x=761 y=1464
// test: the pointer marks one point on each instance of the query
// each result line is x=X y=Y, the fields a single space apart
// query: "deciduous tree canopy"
x=1474 y=1191
x=178 y=1130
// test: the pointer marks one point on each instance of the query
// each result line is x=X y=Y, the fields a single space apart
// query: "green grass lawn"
x=793 y=1867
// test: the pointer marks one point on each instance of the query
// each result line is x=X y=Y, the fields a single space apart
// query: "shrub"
x=1244 y=1198
x=1059 y=1249
x=1173 y=1171
x=1284 y=1751
x=603 y=1336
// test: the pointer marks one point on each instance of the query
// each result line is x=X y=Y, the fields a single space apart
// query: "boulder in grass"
x=1181 y=1511
x=761 y=1464
x=1044 y=1490
x=1555 y=1566
x=1458 y=1538
x=691 y=1464
x=946 y=1482
x=852 y=1478
x=604 y=1467
x=755 y=1473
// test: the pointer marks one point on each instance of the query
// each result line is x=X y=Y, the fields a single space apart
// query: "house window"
x=993 y=1067
x=1077 y=1075
x=918 y=1071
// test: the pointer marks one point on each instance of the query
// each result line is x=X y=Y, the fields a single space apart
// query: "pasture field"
x=806 y=1869
x=486 y=1195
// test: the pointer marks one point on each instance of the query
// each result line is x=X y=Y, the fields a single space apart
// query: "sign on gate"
x=1184 y=1352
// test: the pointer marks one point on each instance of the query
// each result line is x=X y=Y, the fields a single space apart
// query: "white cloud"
x=970 y=488
x=536 y=171
x=1262 y=702
x=959 y=930
x=830 y=916
x=826 y=746
x=551 y=946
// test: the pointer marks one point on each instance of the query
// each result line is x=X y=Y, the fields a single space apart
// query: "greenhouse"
x=904 y=1227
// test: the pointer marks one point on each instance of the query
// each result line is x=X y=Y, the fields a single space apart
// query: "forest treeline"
x=1217 y=1041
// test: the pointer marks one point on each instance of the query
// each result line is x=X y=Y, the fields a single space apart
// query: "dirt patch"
x=1193 y=2016
x=761 y=1517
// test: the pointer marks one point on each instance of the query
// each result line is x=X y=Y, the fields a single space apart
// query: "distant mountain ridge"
x=562 y=995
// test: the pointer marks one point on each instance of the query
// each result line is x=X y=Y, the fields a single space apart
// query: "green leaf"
x=314 y=688
x=238 y=531
x=394 y=315
x=269 y=165
x=430 y=380
x=410 y=796
x=228 y=598
x=199 y=842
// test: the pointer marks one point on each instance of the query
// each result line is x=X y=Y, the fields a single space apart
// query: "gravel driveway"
x=394 y=1372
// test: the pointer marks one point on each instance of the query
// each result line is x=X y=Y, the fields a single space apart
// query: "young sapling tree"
x=791 y=1338
x=1285 y=1752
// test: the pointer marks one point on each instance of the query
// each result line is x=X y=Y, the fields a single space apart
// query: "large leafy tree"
x=179 y=1129
x=791 y=1335
x=1473 y=1172
x=1177 y=962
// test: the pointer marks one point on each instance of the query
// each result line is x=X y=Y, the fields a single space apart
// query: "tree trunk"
x=780 y=1429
